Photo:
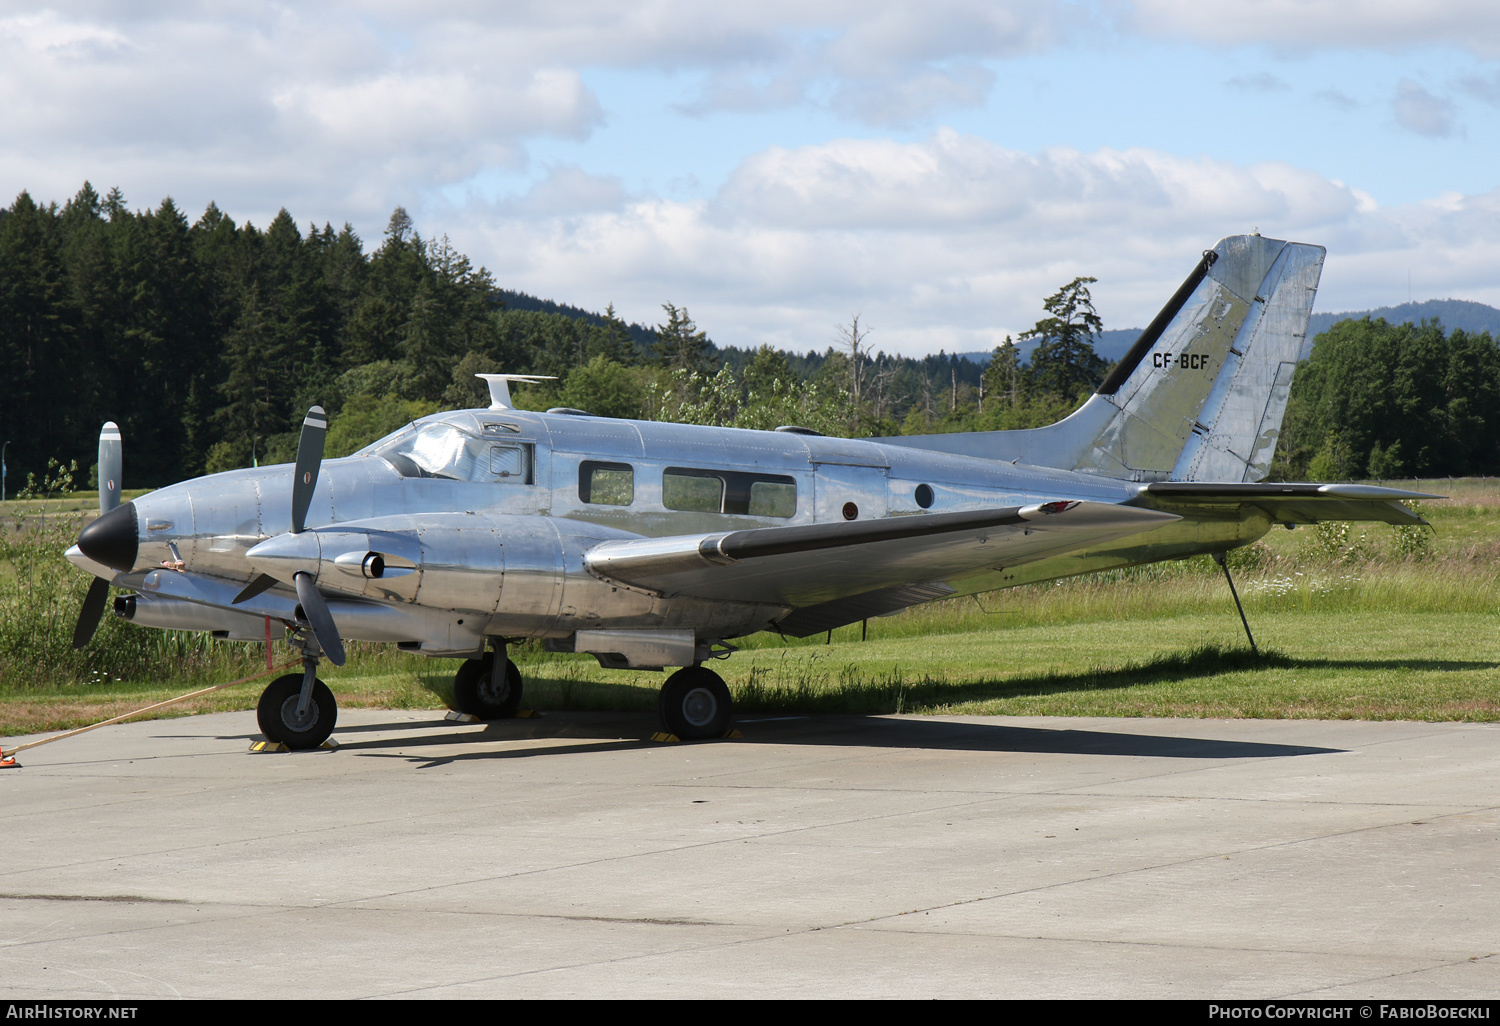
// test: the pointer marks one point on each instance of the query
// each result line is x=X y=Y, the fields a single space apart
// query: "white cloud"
x=271 y=108
x=952 y=242
x=884 y=63
x=567 y=191
x=1419 y=111
x=342 y=111
x=1338 y=100
x=1472 y=25
x=354 y=106
x=1483 y=87
x=913 y=98
x=1259 y=82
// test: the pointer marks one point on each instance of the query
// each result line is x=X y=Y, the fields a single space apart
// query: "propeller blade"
x=309 y=459
x=254 y=588
x=319 y=618
x=111 y=459
x=93 y=609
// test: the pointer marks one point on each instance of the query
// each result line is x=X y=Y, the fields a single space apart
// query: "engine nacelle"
x=523 y=575
x=176 y=614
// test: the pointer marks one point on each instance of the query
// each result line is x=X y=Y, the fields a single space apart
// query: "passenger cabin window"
x=607 y=484
x=729 y=491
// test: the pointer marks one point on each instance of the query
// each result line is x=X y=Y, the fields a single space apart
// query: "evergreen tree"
x=680 y=345
x=1064 y=362
x=254 y=389
x=34 y=336
x=613 y=340
x=1384 y=399
x=1002 y=378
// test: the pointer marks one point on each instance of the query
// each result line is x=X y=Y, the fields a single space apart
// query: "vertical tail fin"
x=1201 y=394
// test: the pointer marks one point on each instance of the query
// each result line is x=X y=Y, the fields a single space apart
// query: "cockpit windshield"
x=435 y=448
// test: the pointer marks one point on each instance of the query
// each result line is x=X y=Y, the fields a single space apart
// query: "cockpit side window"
x=609 y=484
x=508 y=463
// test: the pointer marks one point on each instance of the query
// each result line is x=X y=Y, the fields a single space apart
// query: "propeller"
x=304 y=483
x=309 y=459
x=111 y=460
x=315 y=611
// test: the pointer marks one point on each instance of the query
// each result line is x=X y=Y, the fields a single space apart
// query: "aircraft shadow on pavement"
x=853 y=714
x=564 y=733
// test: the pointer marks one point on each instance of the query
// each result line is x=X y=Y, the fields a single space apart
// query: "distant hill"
x=1451 y=313
x=1111 y=345
x=643 y=337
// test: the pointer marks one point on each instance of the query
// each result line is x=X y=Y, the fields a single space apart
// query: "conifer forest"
x=206 y=340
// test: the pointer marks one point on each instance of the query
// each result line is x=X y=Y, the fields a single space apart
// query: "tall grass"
x=41 y=596
x=1154 y=616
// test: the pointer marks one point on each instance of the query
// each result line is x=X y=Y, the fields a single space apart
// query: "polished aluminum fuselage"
x=502 y=555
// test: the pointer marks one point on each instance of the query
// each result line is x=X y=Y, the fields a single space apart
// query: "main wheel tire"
x=479 y=691
x=277 y=713
x=695 y=704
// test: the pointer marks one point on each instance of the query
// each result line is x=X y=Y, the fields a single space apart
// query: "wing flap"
x=824 y=563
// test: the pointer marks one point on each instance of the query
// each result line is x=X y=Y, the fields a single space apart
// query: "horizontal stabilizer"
x=1288 y=503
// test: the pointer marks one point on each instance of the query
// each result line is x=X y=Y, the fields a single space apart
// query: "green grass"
x=1351 y=624
x=1325 y=664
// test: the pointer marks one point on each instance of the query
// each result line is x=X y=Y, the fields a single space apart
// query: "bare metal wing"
x=845 y=571
x=1287 y=503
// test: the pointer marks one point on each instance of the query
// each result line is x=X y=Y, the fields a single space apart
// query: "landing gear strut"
x=298 y=710
x=695 y=704
x=482 y=688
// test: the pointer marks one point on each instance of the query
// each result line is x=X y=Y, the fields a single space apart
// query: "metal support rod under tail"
x=1224 y=565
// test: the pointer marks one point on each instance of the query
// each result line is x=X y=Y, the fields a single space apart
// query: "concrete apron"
x=816 y=857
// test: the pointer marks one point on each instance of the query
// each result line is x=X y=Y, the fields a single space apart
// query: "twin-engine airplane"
x=650 y=545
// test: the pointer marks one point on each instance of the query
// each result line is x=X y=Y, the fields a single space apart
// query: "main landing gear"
x=694 y=704
x=298 y=710
x=489 y=688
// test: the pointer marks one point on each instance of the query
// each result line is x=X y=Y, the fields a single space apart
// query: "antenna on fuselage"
x=500 y=386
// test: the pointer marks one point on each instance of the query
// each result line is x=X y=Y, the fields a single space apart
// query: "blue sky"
x=1332 y=112
x=937 y=168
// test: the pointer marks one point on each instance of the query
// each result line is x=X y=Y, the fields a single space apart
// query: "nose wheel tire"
x=278 y=718
x=480 y=691
x=695 y=704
